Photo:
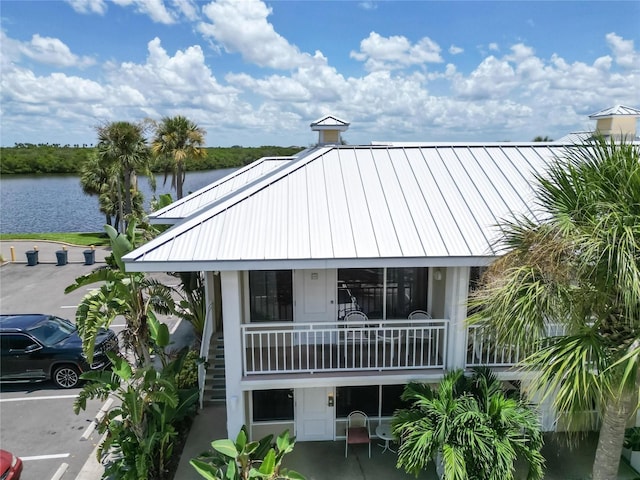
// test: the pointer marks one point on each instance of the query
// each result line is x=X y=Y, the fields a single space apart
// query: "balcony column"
x=456 y=294
x=230 y=283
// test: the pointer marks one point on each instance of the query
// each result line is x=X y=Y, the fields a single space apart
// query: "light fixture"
x=437 y=275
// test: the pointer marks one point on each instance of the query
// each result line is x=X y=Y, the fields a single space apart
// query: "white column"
x=455 y=309
x=231 y=318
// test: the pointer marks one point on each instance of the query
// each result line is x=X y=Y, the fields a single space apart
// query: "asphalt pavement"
x=39 y=288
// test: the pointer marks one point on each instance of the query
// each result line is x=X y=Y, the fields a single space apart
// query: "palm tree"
x=122 y=146
x=99 y=180
x=177 y=139
x=578 y=268
x=469 y=427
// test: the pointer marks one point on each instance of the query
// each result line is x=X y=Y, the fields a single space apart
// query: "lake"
x=56 y=203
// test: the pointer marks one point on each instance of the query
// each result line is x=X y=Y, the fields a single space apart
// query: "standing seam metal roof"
x=360 y=203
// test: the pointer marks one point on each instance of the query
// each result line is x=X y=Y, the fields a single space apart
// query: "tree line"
x=32 y=159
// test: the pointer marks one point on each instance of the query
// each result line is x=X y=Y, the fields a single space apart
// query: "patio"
x=325 y=460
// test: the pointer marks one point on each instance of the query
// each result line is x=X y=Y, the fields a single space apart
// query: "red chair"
x=357 y=431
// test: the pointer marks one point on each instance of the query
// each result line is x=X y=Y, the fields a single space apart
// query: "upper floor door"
x=315 y=295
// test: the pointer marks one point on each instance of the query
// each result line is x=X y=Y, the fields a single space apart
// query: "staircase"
x=214 y=381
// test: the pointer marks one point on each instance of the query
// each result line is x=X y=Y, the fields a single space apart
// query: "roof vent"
x=329 y=128
x=618 y=121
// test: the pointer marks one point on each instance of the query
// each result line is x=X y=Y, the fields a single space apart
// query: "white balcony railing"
x=482 y=348
x=371 y=345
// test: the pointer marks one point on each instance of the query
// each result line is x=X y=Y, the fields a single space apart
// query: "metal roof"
x=329 y=122
x=350 y=206
x=615 y=111
x=232 y=183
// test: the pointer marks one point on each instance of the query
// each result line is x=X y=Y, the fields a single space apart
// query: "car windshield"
x=52 y=330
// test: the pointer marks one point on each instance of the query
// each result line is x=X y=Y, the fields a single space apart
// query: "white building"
x=290 y=245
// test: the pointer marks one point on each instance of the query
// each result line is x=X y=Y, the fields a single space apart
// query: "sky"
x=254 y=73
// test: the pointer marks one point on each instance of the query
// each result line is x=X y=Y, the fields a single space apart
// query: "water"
x=56 y=203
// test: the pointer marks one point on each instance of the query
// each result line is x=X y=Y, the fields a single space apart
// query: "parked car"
x=10 y=466
x=36 y=347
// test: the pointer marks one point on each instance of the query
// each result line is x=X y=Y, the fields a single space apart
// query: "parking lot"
x=36 y=419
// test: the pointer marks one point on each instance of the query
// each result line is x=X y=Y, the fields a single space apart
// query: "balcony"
x=482 y=348
x=372 y=345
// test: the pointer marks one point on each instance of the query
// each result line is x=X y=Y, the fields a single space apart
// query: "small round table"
x=383 y=431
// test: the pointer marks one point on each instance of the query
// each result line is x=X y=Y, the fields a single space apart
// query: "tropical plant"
x=123 y=153
x=192 y=305
x=632 y=438
x=176 y=140
x=136 y=296
x=241 y=460
x=469 y=427
x=577 y=267
x=150 y=414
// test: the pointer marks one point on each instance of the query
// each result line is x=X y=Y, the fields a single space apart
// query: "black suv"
x=41 y=347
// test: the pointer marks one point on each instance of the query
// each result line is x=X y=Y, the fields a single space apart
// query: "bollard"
x=13 y=254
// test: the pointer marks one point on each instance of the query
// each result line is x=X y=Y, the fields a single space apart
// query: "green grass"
x=73 y=238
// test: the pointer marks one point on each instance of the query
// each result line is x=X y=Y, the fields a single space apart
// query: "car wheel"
x=66 y=376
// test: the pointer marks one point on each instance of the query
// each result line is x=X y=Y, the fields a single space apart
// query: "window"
x=363 y=289
x=272 y=405
x=271 y=296
x=15 y=342
x=363 y=398
x=367 y=399
x=406 y=291
x=391 y=399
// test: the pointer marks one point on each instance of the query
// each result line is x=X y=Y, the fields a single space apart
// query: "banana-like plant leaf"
x=226 y=447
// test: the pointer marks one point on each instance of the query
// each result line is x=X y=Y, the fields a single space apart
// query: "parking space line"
x=69 y=306
x=98 y=418
x=175 y=327
x=45 y=457
x=23 y=399
x=60 y=472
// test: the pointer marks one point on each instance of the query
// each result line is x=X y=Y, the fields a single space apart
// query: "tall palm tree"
x=578 y=268
x=96 y=179
x=177 y=139
x=122 y=146
x=469 y=427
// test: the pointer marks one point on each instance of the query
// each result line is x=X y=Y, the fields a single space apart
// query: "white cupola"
x=618 y=121
x=329 y=128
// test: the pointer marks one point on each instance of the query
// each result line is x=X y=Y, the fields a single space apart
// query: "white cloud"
x=89 y=6
x=454 y=50
x=155 y=9
x=494 y=47
x=368 y=5
x=242 y=27
x=389 y=53
x=44 y=50
x=188 y=8
x=623 y=51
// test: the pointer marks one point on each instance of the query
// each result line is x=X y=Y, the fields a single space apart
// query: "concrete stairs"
x=214 y=383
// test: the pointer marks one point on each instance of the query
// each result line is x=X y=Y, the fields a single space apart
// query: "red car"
x=10 y=466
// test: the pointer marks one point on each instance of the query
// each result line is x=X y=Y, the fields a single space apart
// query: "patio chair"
x=356 y=332
x=357 y=431
x=419 y=315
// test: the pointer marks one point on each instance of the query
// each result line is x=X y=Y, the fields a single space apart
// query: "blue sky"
x=258 y=73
